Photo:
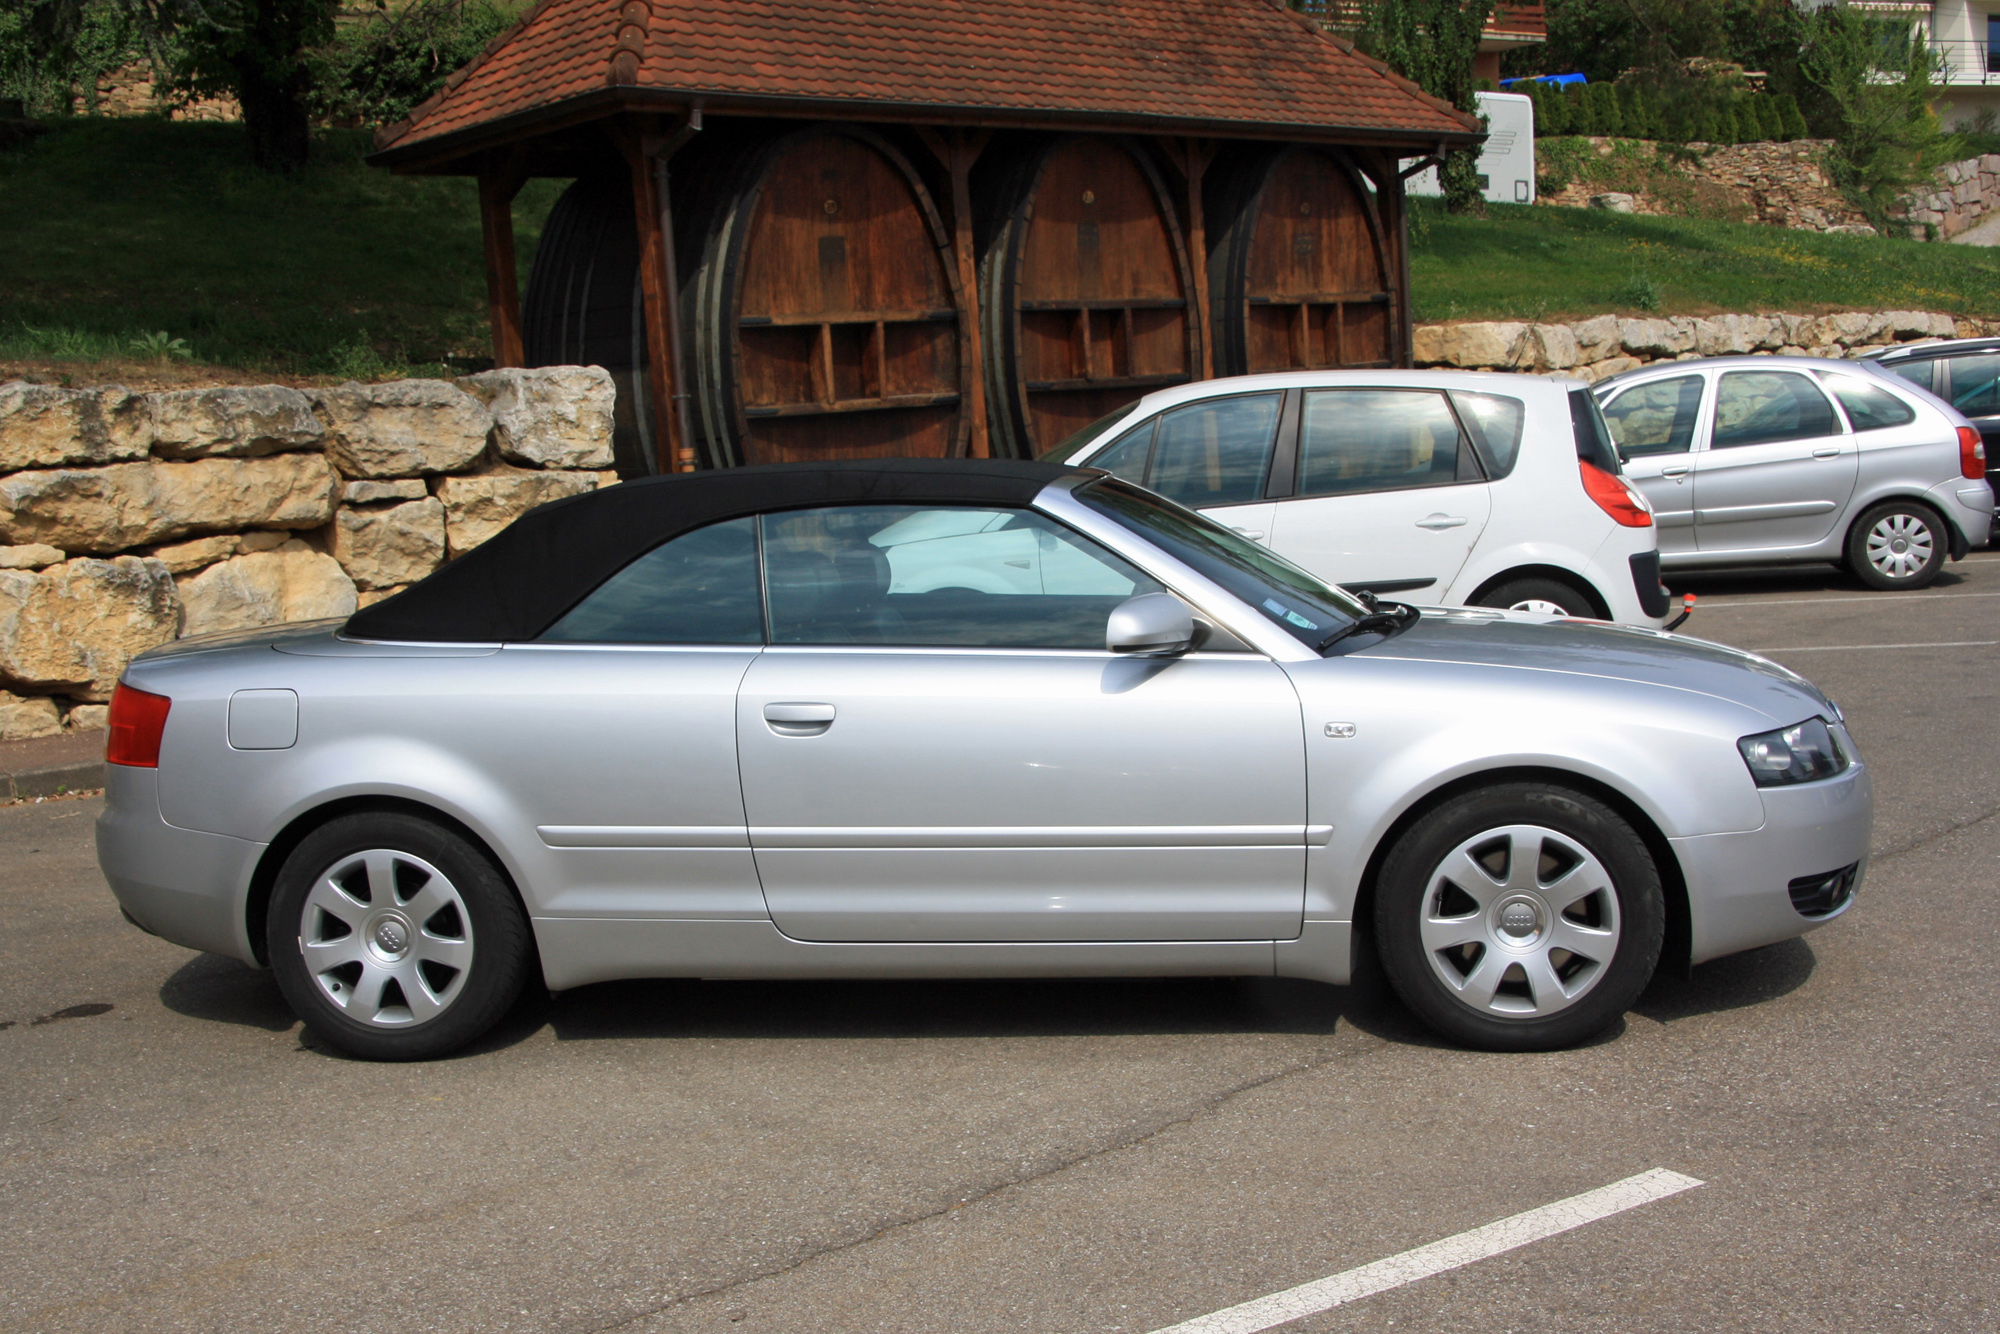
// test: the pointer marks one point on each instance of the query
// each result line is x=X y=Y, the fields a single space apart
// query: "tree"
x=257 y=51
x=1432 y=43
x=1879 y=77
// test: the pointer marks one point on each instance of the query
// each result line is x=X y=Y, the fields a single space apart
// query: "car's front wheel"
x=394 y=938
x=1897 y=544
x=1519 y=917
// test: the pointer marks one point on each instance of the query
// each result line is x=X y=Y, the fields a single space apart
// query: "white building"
x=1966 y=36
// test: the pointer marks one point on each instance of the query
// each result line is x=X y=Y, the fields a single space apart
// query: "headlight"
x=1796 y=754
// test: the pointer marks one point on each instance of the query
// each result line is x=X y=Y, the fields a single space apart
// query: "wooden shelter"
x=806 y=229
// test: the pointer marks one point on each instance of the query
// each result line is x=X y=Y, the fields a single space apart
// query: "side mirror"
x=1151 y=625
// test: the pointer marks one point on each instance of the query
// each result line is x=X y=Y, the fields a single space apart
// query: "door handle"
x=1254 y=534
x=1826 y=453
x=1439 y=522
x=1674 y=470
x=799 y=719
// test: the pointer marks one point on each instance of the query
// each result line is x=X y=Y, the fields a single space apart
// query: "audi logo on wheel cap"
x=391 y=936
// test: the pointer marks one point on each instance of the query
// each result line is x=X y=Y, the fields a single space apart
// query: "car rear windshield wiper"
x=1392 y=616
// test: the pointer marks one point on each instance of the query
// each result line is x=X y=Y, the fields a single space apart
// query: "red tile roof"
x=1218 y=66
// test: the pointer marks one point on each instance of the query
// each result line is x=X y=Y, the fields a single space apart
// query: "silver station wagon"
x=958 y=719
x=1783 y=460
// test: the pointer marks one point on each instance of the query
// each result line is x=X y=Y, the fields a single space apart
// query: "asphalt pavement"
x=1058 y=1156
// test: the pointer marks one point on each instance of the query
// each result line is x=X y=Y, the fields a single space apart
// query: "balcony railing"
x=1522 y=19
x=1968 y=62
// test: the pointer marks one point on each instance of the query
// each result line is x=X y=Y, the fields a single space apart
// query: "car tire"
x=1550 y=596
x=1502 y=956
x=394 y=938
x=1897 y=544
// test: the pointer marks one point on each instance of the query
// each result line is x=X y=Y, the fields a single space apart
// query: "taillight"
x=1971 y=453
x=137 y=720
x=1615 y=496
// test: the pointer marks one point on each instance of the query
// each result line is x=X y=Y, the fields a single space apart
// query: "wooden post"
x=1195 y=157
x=644 y=158
x=498 y=184
x=957 y=155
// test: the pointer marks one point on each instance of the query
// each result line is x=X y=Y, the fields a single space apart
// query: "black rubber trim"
x=1823 y=894
x=1653 y=596
x=1389 y=585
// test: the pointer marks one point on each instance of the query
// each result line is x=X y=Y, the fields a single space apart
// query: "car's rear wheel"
x=1549 y=596
x=1897 y=544
x=394 y=938
x=1520 y=917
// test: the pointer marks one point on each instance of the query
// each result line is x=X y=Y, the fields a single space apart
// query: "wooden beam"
x=499 y=181
x=957 y=154
x=1195 y=157
x=646 y=152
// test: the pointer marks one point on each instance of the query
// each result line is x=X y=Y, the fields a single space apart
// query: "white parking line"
x=1843 y=648
x=1452 y=1253
x=1702 y=605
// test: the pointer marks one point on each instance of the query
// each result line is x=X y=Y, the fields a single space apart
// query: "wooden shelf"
x=1132 y=303
x=846 y=405
x=846 y=317
x=1322 y=299
x=1110 y=382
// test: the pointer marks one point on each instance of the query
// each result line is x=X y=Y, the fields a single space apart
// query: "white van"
x=1507 y=161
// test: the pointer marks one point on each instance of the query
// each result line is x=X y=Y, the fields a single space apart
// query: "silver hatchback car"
x=958 y=719
x=1785 y=460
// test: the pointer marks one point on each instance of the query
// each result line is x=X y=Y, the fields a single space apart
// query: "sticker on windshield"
x=1271 y=605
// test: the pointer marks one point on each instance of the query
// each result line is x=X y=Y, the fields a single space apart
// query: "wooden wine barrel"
x=1299 y=277
x=825 y=322
x=1084 y=290
x=582 y=306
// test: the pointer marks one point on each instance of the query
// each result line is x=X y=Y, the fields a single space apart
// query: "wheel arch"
x=1955 y=538
x=1678 y=945
x=1557 y=574
x=257 y=903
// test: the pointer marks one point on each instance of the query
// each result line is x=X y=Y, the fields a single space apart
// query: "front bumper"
x=182 y=885
x=1740 y=885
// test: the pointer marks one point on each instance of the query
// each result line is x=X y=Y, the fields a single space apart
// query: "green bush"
x=377 y=68
x=1610 y=118
x=1790 y=117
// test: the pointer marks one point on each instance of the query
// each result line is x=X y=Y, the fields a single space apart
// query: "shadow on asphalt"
x=1785 y=579
x=221 y=990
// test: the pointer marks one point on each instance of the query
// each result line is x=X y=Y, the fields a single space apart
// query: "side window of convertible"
x=922 y=576
x=699 y=588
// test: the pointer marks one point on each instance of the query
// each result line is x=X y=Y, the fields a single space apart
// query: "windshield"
x=1073 y=445
x=1308 y=609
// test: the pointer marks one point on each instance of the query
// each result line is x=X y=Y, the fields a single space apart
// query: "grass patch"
x=1525 y=262
x=145 y=242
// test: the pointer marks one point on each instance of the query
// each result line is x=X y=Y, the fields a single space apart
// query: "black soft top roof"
x=519 y=582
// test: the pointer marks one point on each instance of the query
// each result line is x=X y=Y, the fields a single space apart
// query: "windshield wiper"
x=1391 y=616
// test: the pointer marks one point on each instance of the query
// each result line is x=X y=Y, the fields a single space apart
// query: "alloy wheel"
x=1520 y=922
x=386 y=937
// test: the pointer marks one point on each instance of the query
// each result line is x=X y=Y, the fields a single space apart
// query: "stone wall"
x=127 y=520
x=1966 y=194
x=1778 y=184
x=1608 y=344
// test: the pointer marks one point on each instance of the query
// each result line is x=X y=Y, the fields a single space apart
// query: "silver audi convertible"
x=959 y=719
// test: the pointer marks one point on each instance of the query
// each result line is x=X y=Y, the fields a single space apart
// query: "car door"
x=1654 y=424
x=957 y=764
x=1973 y=388
x=1214 y=455
x=1389 y=494
x=1779 y=466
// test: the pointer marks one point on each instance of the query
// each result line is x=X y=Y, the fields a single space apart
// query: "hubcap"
x=1520 y=921
x=1542 y=605
x=1900 y=546
x=386 y=938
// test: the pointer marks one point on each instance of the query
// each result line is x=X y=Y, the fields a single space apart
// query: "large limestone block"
x=1552 y=347
x=126 y=504
x=34 y=556
x=25 y=717
x=551 y=416
x=1655 y=338
x=1472 y=346
x=1728 y=335
x=1610 y=366
x=73 y=628
x=381 y=548
x=42 y=426
x=187 y=557
x=292 y=583
x=475 y=508
x=233 y=422
x=406 y=428
x=371 y=493
x=1596 y=338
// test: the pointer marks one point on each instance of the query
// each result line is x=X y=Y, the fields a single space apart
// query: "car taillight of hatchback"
x=1971 y=453
x=1617 y=497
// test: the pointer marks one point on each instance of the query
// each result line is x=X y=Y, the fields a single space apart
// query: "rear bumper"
x=184 y=886
x=1740 y=885
x=1646 y=583
x=1968 y=503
